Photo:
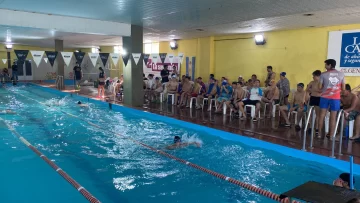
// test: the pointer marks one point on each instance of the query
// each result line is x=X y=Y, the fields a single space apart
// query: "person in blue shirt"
x=224 y=96
x=211 y=93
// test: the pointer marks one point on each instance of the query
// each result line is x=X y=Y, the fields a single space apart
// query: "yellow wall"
x=297 y=52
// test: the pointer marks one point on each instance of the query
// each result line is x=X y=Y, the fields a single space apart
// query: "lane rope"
x=247 y=186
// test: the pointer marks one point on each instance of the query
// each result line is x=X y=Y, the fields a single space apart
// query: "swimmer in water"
x=82 y=105
x=179 y=144
x=7 y=112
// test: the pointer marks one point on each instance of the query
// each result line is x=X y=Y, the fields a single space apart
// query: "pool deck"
x=267 y=129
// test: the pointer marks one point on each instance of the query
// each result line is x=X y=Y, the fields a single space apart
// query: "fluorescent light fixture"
x=259 y=40
x=123 y=52
x=9 y=46
x=173 y=45
x=8 y=39
x=76 y=50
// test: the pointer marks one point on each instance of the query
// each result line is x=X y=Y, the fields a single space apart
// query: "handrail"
x=59 y=82
x=340 y=115
x=305 y=128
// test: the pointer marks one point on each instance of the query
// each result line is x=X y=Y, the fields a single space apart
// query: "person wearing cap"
x=254 y=99
x=332 y=82
x=225 y=94
x=351 y=105
x=165 y=74
x=178 y=143
x=343 y=181
x=271 y=96
x=270 y=75
x=299 y=102
x=79 y=103
x=185 y=91
x=284 y=86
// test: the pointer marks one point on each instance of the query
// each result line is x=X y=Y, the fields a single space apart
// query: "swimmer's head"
x=177 y=139
x=79 y=102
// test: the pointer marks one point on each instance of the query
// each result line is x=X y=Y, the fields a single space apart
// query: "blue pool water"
x=117 y=170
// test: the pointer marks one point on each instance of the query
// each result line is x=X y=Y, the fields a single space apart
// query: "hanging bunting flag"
x=51 y=56
x=181 y=57
x=67 y=57
x=146 y=58
x=163 y=57
x=37 y=56
x=104 y=58
x=21 y=55
x=171 y=58
x=93 y=57
x=79 y=56
x=125 y=58
x=4 y=61
x=136 y=57
x=154 y=58
x=115 y=58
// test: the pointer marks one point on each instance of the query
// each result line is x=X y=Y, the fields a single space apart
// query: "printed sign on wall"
x=155 y=67
x=93 y=57
x=79 y=56
x=21 y=55
x=344 y=47
x=104 y=58
x=51 y=56
x=115 y=58
x=37 y=56
x=67 y=57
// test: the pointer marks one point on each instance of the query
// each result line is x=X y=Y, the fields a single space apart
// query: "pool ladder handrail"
x=312 y=113
x=59 y=82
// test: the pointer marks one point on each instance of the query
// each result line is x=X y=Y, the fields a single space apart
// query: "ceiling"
x=179 y=19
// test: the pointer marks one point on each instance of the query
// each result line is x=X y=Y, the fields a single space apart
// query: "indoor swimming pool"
x=114 y=169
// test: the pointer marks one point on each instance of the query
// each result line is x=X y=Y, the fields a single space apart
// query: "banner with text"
x=136 y=57
x=104 y=58
x=344 y=47
x=51 y=56
x=115 y=58
x=93 y=58
x=21 y=55
x=4 y=61
x=79 y=56
x=67 y=57
x=37 y=56
x=155 y=67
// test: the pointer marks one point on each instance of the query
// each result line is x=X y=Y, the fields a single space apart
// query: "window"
x=94 y=50
x=151 y=48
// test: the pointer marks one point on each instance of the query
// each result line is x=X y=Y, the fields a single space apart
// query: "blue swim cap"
x=224 y=83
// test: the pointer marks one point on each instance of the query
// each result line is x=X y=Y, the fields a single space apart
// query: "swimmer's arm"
x=195 y=143
x=171 y=147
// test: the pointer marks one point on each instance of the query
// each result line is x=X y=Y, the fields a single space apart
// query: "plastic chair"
x=295 y=113
x=191 y=101
x=252 y=108
x=211 y=101
x=224 y=108
x=351 y=125
x=172 y=98
x=273 y=110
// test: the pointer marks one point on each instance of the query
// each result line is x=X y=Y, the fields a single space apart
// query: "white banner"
x=181 y=57
x=46 y=60
x=171 y=58
x=154 y=58
x=136 y=57
x=67 y=57
x=4 y=61
x=94 y=57
x=344 y=47
x=155 y=68
x=37 y=56
x=115 y=58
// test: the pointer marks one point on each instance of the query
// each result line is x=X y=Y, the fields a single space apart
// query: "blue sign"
x=350 y=50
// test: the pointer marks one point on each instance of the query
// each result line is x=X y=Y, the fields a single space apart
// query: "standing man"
x=270 y=75
x=284 y=85
x=165 y=75
x=14 y=69
x=332 y=82
x=78 y=74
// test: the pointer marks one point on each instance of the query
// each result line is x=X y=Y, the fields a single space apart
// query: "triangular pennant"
x=181 y=57
x=67 y=57
x=115 y=58
x=4 y=61
x=21 y=55
x=146 y=58
x=37 y=56
x=163 y=57
x=171 y=58
x=136 y=57
x=125 y=58
x=93 y=57
x=104 y=58
x=79 y=56
x=154 y=58
x=51 y=57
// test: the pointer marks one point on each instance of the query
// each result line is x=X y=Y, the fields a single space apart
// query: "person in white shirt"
x=255 y=95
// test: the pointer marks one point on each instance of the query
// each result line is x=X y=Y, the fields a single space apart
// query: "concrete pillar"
x=133 y=74
x=59 y=47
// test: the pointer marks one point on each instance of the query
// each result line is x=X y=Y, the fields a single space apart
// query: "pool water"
x=114 y=169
